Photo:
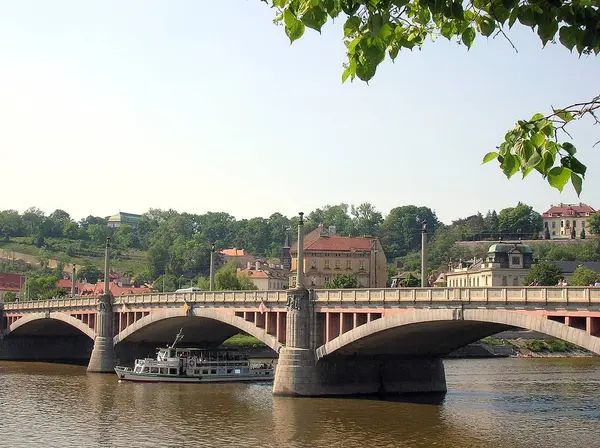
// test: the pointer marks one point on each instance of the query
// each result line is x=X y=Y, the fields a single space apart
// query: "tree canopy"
x=376 y=29
x=544 y=274
x=584 y=276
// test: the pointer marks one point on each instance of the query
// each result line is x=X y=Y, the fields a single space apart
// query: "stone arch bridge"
x=330 y=342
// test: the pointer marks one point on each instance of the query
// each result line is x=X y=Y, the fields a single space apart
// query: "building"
x=11 y=283
x=89 y=289
x=124 y=218
x=562 y=219
x=327 y=255
x=267 y=277
x=506 y=264
x=241 y=257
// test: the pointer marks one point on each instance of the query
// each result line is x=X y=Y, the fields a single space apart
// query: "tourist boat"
x=196 y=365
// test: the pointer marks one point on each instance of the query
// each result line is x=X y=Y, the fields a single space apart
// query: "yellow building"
x=327 y=255
x=506 y=264
x=565 y=219
x=267 y=277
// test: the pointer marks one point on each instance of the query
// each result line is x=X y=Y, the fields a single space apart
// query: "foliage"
x=9 y=296
x=42 y=287
x=342 y=282
x=90 y=273
x=520 y=220
x=242 y=340
x=165 y=283
x=551 y=346
x=584 y=276
x=544 y=274
x=410 y=281
x=228 y=279
x=392 y=271
x=400 y=231
x=594 y=224
x=590 y=251
x=375 y=29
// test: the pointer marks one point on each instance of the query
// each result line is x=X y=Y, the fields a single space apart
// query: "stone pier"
x=103 y=359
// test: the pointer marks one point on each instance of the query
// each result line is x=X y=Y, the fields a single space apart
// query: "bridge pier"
x=103 y=359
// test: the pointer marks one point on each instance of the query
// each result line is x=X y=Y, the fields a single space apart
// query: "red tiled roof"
x=320 y=240
x=116 y=290
x=233 y=252
x=569 y=210
x=11 y=282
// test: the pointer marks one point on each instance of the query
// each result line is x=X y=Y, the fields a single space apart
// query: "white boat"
x=196 y=365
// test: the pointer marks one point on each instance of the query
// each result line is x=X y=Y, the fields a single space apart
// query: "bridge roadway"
x=330 y=342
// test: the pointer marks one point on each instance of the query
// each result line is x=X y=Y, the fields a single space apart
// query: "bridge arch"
x=206 y=313
x=454 y=328
x=63 y=317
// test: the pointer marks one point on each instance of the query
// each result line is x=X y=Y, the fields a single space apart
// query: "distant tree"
x=9 y=296
x=333 y=215
x=366 y=220
x=392 y=271
x=544 y=274
x=584 y=276
x=42 y=287
x=491 y=223
x=519 y=220
x=342 y=282
x=546 y=233
x=43 y=258
x=90 y=273
x=410 y=282
x=400 y=231
x=245 y=283
x=582 y=234
x=203 y=283
x=594 y=224
x=11 y=224
x=573 y=233
x=165 y=283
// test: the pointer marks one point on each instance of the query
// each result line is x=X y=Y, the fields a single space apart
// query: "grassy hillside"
x=68 y=252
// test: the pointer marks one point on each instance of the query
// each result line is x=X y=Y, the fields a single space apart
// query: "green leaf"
x=568 y=36
x=513 y=17
x=468 y=36
x=489 y=157
x=294 y=28
x=534 y=160
x=574 y=165
x=564 y=115
x=486 y=25
x=351 y=26
x=510 y=165
x=365 y=70
x=548 y=130
x=569 y=148
x=499 y=12
x=314 y=18
x=448 y=30
x=527 y=15
x=577 y=183
x=375 y=23
x=538 y=139
x=547 y=30
x=558 y=177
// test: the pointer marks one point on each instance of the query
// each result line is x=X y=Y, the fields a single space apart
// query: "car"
x=189 y=290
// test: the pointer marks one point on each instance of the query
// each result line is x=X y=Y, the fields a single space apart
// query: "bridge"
x=330 y=342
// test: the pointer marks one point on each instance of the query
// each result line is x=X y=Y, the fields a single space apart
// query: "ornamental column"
x=103 y=359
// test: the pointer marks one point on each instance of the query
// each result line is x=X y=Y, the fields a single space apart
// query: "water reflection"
x=490 y=403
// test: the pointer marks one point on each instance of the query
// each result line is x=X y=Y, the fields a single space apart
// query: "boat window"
x=238 y=371
x=145 y=370
x=229 y=370
x=205 y=371
x=245 y=370
x=163 y=371
x=196 y=372
x=172 y=371
x=153 y=369
x=213 y=371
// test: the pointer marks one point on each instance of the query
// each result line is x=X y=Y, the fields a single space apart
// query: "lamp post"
x=212 y=268
x=73 y=277
x=179 y=282
x=300 y=259
x=424 y=282
x=107 y=268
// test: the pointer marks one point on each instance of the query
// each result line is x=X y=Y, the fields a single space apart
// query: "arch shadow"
x=437 y=332
x=57 y=316
x=231 y=320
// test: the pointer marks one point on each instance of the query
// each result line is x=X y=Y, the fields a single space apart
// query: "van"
x=189 y=290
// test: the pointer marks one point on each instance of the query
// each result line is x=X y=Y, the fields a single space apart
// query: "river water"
x=496 y=403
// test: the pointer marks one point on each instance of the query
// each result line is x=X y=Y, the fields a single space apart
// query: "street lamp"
x=179 y=282
x=212 y=268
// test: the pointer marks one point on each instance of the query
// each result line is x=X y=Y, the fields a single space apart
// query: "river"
x=500 y=403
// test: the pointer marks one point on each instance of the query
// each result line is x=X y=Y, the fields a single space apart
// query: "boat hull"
x=128 y=375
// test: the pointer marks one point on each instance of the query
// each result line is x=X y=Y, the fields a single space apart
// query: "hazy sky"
x=204 y=106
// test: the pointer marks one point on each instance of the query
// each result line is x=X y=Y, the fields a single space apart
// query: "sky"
x=205 y=106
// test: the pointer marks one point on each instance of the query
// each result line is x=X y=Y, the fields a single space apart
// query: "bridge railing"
x=498 y=295
x=75 y=302
x=204 y=297
x=533 y=295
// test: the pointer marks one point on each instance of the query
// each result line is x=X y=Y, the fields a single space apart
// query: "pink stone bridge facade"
x=330 y=342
